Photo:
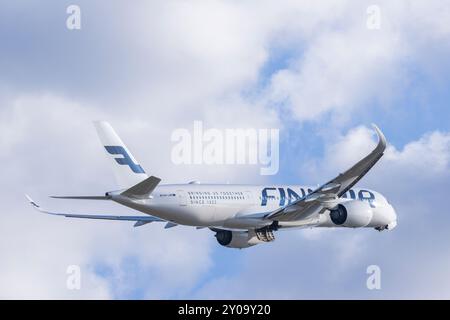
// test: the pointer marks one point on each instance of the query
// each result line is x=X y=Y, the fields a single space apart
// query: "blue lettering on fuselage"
x=351 y=193
x=282 y=196
x=366 y=195
x=292 y=196
x=270 y=193
x=264 y=196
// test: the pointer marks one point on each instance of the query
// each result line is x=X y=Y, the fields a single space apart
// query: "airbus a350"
x=240 y=215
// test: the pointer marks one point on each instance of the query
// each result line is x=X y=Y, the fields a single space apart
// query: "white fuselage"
x=233 y=206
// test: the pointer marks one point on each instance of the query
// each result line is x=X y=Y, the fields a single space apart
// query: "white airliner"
x=241 y=215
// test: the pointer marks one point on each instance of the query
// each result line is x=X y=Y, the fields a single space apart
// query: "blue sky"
x=315 y=71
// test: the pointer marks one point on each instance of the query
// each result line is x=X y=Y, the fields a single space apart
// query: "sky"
x=319 y=72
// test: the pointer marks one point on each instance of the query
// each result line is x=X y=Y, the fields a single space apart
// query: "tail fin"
x=127 y=170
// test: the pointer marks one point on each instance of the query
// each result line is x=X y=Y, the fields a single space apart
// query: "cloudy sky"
x=320 y=72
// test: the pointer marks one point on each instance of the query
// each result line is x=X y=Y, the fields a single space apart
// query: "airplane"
x=240 y=215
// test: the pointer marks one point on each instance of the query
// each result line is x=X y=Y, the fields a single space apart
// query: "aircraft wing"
x=313 y=203
x=140 y=220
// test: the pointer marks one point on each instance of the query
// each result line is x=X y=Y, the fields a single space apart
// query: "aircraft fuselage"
x=233 y=206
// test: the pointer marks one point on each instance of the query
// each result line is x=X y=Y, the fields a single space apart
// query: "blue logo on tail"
x=126 y=160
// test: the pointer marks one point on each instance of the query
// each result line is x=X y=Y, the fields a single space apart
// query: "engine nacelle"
x=352 y=214
x=237 y=239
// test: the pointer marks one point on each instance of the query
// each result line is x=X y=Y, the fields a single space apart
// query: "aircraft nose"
x=391 y=217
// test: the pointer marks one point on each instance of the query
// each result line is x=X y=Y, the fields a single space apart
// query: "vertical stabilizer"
x=126 y=169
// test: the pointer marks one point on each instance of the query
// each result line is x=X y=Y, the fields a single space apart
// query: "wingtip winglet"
x=31 y=201
x=382 y=143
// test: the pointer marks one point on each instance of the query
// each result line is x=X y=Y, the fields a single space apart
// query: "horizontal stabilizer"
x=143 y=189
x=82 y=197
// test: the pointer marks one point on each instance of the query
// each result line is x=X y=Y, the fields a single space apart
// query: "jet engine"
x=237 y=239
x=352 y=214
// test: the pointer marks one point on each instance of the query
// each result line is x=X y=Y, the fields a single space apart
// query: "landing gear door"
x=182 y=198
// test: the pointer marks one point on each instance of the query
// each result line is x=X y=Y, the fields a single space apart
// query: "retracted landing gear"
x=381 y=228
x=266 y=234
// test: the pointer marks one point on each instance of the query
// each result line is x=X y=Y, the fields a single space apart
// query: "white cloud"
x=427 y=157
x=431 y=154
x=338 y=72
x=346 y=66
x=180 y=55
x=153 y=67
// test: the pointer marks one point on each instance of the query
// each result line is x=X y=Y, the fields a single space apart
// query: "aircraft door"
x=182 y=197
